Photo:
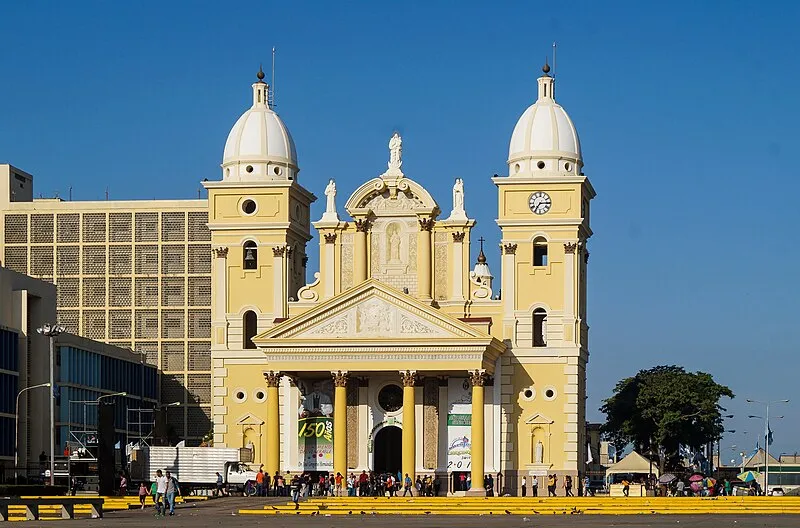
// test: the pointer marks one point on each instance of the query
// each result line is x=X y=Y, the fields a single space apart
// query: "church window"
x=540 y=164
x=248 y=207
x=250 y=329
x=539 y=327
x=539 y=252
x=249 y=168
x=250 y=257
x=390 y=398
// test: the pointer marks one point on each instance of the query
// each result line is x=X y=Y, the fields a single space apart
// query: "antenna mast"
x=554 y=60
x=272 y=82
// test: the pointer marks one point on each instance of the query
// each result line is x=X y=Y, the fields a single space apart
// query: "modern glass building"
x=9 y=385
x=88 y=370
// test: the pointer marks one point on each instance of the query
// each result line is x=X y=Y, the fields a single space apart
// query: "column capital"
x=340 y=378
x=570 y=247
x=330 y=238
x=458 y=236
x=426 y=224
x=278 y=251
x=362 y=225
x=220 y=252
x=409 y=377
x=272 y=378
x=478 y=378
x=510 y=249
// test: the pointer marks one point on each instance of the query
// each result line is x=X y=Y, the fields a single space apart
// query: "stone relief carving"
x=376 y=318
x=441 y=265
x=430 y=399
x=347 y=261
x=402 y=201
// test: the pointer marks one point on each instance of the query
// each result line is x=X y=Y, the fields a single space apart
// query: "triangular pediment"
x=249 y=419
x=372 y=311
x=539 y=419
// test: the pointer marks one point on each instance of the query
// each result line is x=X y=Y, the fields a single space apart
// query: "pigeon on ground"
x=508 y=512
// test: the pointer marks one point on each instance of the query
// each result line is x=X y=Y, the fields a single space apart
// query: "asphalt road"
x=224 y=512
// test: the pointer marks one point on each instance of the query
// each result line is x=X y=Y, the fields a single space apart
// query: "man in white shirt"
x=161 y=490
x=524 y=486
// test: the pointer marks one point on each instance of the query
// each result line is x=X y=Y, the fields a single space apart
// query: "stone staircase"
x=532 y=506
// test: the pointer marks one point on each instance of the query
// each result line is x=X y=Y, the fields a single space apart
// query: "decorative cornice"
x=278 y=251
x=305 y=260
x=458 y=236
x=220 y=252
x=408 y=377
x=330 y=238
x=570 y=247
x=272 y=378
x=362 y=225
x=340 y=378
x=510 y=249
x=478 y=378
x=426 y=224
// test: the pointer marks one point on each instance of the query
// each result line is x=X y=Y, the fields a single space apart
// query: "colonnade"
x=409 y=379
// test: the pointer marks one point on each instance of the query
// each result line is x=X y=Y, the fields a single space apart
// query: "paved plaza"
x=224 y=512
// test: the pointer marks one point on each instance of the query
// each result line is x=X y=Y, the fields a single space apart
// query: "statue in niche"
x=539 y=452
x=394 y=239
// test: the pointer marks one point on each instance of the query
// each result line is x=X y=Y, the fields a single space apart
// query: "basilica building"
x=401 y=354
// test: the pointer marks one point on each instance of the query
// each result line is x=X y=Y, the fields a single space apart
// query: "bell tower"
x=259 y=223
x=543 y=212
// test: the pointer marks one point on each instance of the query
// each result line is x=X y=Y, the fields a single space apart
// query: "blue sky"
x=686 y=111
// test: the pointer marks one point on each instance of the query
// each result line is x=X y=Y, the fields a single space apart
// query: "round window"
x=249 y=168
x=516 y=167
x=240 y=395
x=549 y=393
x=277 y=171
x=260 y=396
x=567 y=166
x=540 y=164
x=390 y=398
x=249 y=207
x=528 y=393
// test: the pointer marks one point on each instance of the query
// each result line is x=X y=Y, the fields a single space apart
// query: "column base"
x=475 y=492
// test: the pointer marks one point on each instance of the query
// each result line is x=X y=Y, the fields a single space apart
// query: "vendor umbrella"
x=748 y=476
x=696 y=478
x=666 y=478
x=709 y=482
x=695 y=486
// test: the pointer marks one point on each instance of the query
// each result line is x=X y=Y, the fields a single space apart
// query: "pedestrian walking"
x=161 y=490
x=123 y=485
x=172 y=490
x=552 y=482
x=295 y=489
x=407 y=486
x=142 y=494
x=626 y=487
x=568 y=486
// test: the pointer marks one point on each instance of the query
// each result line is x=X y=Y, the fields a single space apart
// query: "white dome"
x=259 y=146
x=545 y=138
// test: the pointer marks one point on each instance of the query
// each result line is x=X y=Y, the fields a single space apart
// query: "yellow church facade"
x=400 y=355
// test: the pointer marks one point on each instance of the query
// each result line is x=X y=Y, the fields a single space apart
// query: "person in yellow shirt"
x=626 y=487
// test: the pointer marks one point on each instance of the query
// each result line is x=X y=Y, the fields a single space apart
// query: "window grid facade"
x=137 y=279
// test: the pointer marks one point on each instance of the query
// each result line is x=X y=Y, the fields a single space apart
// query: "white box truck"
x=196 y=467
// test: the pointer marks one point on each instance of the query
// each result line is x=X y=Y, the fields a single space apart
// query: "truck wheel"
x=249 y=488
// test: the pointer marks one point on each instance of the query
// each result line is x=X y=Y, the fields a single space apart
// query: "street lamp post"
x=766 y=437
x=16 y=428
x=51 y=331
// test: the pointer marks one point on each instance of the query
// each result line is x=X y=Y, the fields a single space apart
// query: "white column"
x=509 y=288
x=220 y=286
x=458 y=266
x=329 y=265
x=570 y=250
x=279 y=282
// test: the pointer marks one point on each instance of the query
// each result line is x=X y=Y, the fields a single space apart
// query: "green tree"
x=665 y=407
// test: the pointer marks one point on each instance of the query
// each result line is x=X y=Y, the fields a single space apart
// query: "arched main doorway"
x=388 y=454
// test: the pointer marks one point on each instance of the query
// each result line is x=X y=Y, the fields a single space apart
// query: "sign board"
x=315 y=443
x=459 y=424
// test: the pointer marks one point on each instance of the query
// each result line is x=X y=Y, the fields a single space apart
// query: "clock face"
x=540 y=202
